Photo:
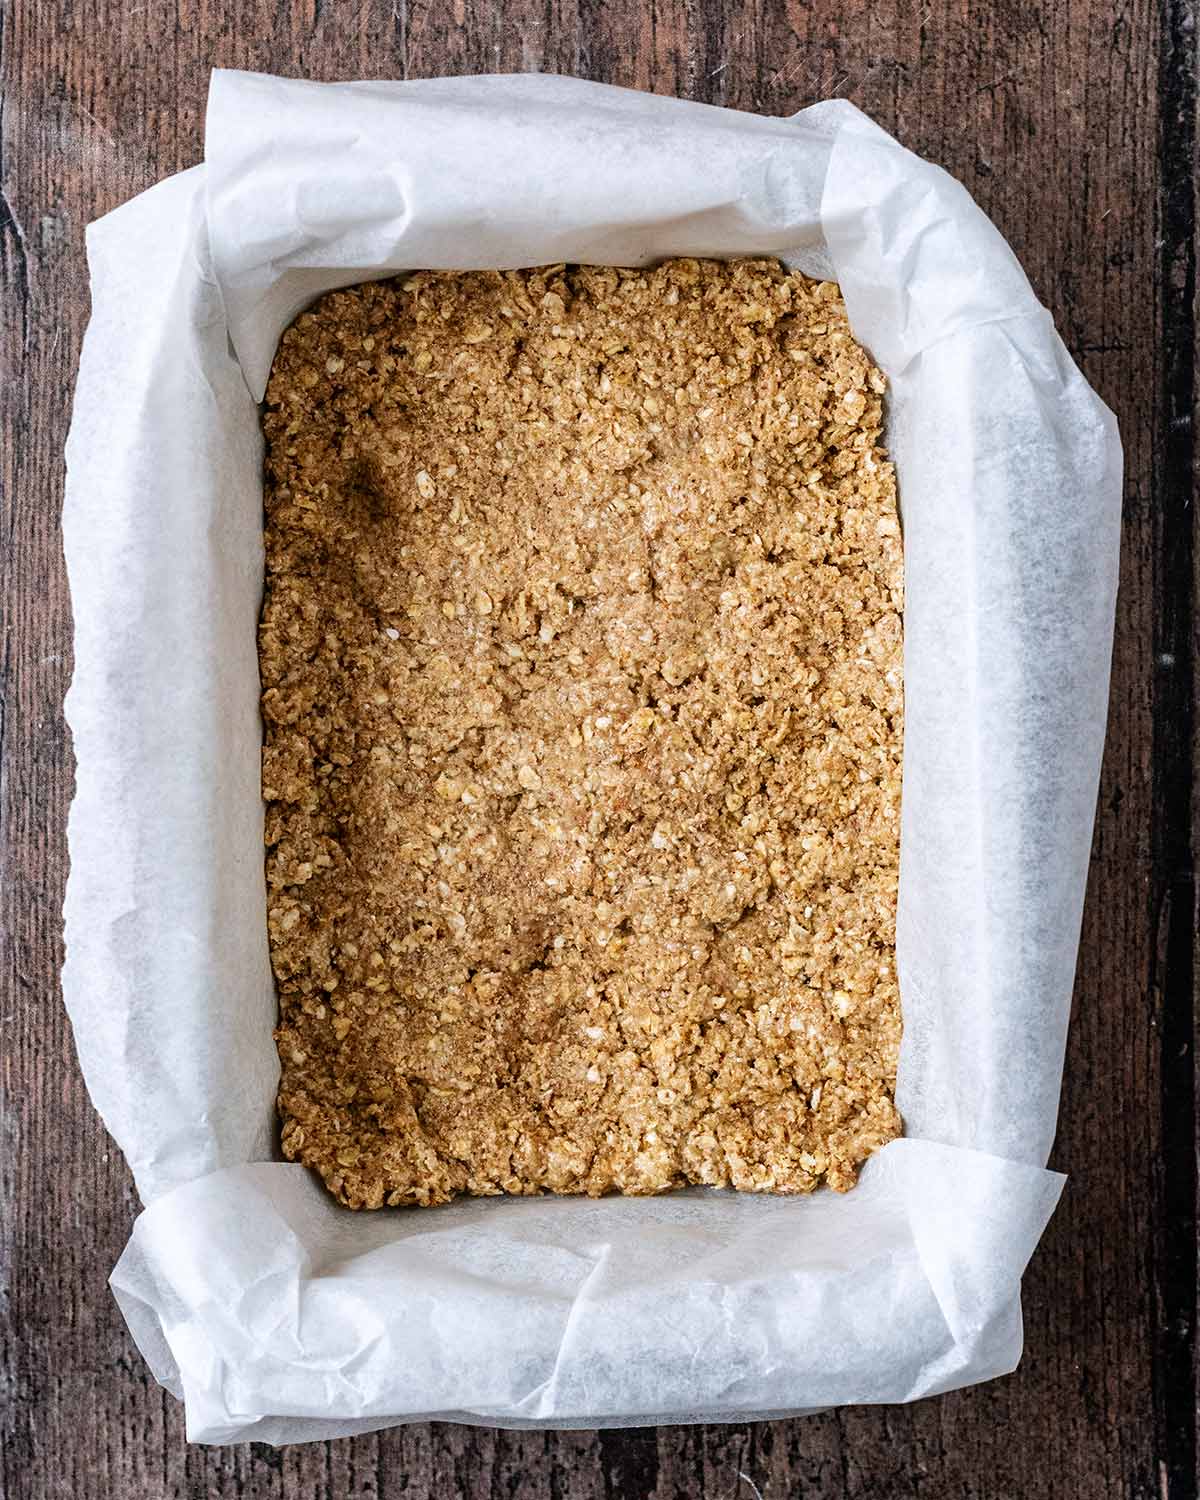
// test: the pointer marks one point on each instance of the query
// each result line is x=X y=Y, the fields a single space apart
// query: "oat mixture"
x=581 y=656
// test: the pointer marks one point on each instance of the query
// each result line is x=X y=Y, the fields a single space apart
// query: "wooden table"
x=1074 y=125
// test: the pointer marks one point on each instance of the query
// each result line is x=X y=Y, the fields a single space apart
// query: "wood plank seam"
x=1173 y=1254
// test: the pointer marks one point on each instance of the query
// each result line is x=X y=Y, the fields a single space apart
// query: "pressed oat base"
x=581 y=657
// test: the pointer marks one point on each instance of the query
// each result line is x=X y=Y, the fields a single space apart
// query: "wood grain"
x=1074 y=124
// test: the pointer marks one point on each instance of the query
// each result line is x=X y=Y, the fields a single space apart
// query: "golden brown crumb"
x=582 y=686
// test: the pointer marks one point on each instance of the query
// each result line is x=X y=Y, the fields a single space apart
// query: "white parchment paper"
x=277 y=1315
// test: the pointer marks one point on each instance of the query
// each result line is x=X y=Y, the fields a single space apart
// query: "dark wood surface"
x=1074 y=125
